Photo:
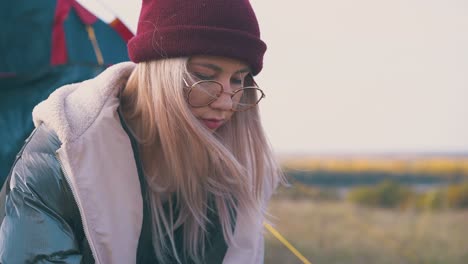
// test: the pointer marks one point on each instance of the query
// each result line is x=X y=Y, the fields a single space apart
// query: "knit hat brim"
x=187 y=41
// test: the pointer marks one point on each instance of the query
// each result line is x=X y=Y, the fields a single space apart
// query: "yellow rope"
x=275 y=233
x=97 y=50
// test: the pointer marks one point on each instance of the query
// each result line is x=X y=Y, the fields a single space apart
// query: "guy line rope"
x=288 y=245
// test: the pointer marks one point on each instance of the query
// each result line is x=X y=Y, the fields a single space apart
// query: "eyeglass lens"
x=204 y=93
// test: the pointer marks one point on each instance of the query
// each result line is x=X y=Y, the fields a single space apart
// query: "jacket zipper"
x=80 y=208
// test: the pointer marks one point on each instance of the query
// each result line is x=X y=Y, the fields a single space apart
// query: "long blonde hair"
x=234 y=166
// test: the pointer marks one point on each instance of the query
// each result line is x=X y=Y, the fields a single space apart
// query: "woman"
x=163 y=161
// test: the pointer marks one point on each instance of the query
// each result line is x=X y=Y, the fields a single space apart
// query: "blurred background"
x=367 y=110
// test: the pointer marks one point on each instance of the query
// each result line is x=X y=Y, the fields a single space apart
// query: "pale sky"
x=358 y=76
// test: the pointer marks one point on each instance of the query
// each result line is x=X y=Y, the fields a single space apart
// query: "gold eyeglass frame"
x=222 y=91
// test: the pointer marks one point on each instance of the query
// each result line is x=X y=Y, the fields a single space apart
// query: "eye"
x=236 y=81
x=202 y=76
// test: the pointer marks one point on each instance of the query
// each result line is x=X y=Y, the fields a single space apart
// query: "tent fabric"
x=123 y=31
x=62 y=9
x=29 y=72
x=27 y=33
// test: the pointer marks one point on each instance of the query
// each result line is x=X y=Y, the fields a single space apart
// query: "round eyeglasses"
x=205 y=92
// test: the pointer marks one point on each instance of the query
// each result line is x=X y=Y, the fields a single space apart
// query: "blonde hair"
x=234 y=166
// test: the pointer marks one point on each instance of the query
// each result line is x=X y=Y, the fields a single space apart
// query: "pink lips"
x=212 y=123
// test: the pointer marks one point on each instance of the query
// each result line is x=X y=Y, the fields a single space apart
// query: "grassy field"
x=332 y=232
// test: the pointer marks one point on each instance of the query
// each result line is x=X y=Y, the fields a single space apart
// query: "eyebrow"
x=219 y=69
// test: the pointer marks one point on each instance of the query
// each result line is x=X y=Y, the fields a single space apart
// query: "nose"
x=224 y=101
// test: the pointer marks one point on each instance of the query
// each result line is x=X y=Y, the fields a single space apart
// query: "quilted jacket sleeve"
x=41 y=216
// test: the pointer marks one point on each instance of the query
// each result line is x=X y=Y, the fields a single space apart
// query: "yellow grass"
x=420 y=165
x=339 y=232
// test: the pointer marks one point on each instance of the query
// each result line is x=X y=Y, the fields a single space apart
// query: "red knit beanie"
x=182 y=28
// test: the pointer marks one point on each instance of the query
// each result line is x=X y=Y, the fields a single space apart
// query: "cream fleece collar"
x=71 y=109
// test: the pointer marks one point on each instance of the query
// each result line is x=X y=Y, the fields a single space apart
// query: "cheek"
x=197 y=112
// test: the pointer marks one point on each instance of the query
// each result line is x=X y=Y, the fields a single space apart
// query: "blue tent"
x=44 y=45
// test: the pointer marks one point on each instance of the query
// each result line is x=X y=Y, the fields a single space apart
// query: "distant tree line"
x=349 y=179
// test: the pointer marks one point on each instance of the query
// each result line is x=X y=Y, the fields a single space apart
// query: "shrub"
x=298 y=191
x=457 y=196
x=436 y=199
x=387 y=194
